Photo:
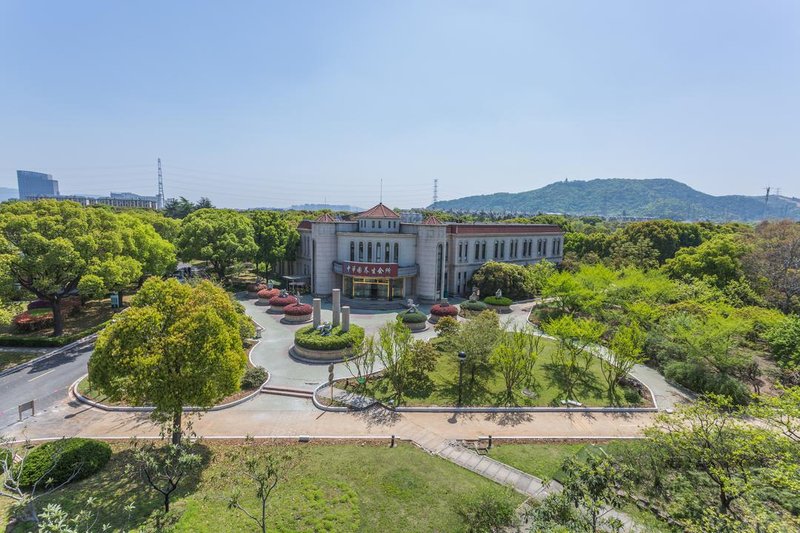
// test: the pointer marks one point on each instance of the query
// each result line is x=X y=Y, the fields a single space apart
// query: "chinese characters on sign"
x=370 y=270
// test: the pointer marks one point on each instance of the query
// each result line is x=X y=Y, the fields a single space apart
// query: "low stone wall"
x=275 y=309
x=296 y=319
x=416 y=327
x=502 y=309
x=321 y=355
x=262 y=301
x=433 y=319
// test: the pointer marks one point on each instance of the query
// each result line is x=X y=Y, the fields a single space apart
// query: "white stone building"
x=376 y=256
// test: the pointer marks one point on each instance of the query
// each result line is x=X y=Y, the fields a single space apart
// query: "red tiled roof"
x=325 y=217
x=304 y=224
x=432 y=221
x=473 y=229
x=379 y=211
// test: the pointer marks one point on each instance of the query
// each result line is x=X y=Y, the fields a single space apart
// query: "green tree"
x=178 y=207
x=515 y=357
x=165 y=226
x=178 y=346
x=712 y=437
x=666 y=236
x=774 y=263
x=594 y=486
x=624 y=352
x=784 y=341
x=716 y=261
x=393 y=346
x=50 y=246
x=272 y=235
x=572 y=358
x=218 y=236
x=478 y=338
x=163 y=468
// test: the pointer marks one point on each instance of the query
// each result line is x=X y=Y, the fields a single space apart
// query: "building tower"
x=160 y=196
x=435 y=191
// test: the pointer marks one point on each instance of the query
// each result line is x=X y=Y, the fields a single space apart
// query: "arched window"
x=477 y=250
x=369 y=252
x=360 y=251
x=483 y=250
x=502 y=249
x=496 y=249
x=378 y=253
x=386 y=255
x=352 y=251
x=396 y=253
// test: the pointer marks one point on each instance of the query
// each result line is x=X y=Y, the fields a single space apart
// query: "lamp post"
x=462 y=357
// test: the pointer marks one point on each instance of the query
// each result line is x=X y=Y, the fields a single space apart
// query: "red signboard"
x=370 y=270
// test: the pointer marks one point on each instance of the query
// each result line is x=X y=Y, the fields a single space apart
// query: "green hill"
x=657 y=198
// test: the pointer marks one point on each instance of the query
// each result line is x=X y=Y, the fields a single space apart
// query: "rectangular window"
x=483 y=250
x=477 y=250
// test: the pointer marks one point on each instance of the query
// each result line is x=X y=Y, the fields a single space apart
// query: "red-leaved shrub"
x=444 y=310
x=279 y=301
x=267 y=294
x=25 y=321
x=298 y=310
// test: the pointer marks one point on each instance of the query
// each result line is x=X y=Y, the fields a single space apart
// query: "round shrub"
x=282 y=301
x=39 y=304
x=444 y=309
x=502 y=301
x=254 y=377
x=474 y=305
x=268 y=294
x=412 y=317
x=310 y=338
x=53 y=463
x=298 y=309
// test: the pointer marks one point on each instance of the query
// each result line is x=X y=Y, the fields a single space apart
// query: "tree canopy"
x=219 y=236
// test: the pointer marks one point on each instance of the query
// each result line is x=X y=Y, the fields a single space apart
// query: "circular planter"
x=321 y=355
x=415 y=321
x=416 y=327
x=297 y=313
x=265 y=295
x=470 y=309
x=254 y=288
x=440 y=310
x=277 y=303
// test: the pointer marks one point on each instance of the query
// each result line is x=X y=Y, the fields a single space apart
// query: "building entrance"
x=373 y=288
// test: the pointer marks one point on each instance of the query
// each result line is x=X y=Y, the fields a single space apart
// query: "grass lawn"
x=11 y=357
x=339 y=488
x=442 y=390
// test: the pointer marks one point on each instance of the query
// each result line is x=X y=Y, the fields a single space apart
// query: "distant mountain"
x=646 y=198
x=7 y=193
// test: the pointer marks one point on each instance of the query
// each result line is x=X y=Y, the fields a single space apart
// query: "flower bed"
x=442 y=309
x=33 y=321
x=413 y=320
x=310 y=344
x=265 y=295
x=501 y=304
x=297 y=313
x=472 y=307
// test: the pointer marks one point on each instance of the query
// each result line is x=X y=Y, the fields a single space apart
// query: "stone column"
x=337 y=306
x=346 y=318
x=317 y=312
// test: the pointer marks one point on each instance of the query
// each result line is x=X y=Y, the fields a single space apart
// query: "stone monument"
x=317 y=304
x=336 y=295
x=346 y=318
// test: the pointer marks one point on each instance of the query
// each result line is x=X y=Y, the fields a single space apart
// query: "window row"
x=516 y=248
x=381 y=252
x=365 y=224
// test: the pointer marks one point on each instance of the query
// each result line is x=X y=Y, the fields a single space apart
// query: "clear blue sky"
x=261 y=103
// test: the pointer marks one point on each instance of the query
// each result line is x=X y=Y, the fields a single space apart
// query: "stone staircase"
x=287 y=391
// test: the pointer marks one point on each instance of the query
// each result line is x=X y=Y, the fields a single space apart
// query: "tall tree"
x=624 y=352
x=49 y=246
x=775 y=262
x=594 y=487
x=515 y=357
x=478 y=338
x=218 y=236
x=178 y=346
x=272 y=235
x=572 y=357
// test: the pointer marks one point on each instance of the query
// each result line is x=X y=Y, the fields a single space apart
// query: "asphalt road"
x=45 y=382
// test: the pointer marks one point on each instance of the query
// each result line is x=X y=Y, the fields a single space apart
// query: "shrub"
x=39 y=304
x=501 y=301
x=444 y=309
x=475 y=305
x=267 y=294
x=256 y=287
x=55 y=462
x=254 y=377
x=282 y=301
x=447 y=326
x=516 y=281
x=27 y=321
x=310 y=338
x=298 y=309
x=412 y=317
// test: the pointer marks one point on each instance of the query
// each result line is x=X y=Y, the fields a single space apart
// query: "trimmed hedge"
x=280 y=301
x=298 y=309
x=502 y=301
x=444 y=310
x=310 y=338
x=254 y=377
x=412 y=318
x=475 y=305
x=54 y=462
x=266 y=294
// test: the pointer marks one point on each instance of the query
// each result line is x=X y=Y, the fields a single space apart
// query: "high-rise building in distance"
x=35 y=184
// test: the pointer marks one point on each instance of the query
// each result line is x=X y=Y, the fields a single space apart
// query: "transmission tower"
x=160 y=201
x=435 y=191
